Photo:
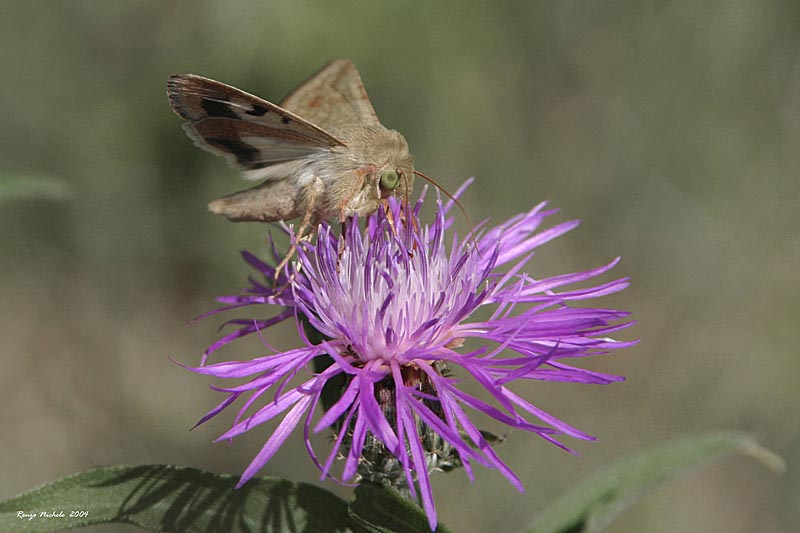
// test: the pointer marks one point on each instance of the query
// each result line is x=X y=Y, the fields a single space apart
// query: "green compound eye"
x=389 y=180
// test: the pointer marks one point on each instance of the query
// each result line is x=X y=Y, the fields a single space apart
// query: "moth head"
x=396 y=181
x=390 y=179
x=396 y=176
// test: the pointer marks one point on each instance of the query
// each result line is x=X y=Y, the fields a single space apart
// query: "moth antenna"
x=455 y=201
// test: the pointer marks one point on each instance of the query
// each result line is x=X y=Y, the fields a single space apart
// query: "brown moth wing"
x=333 y=97
x=248 y=131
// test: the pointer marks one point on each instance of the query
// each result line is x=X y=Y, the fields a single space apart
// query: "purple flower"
x=394 y=309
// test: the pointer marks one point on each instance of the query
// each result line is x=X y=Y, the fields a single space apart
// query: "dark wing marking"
x=249 y=132
x=333 y=96
x=248 y=145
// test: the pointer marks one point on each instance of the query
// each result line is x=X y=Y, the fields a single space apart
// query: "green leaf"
x=171 y=498
x=384 y=510
x=597 y=501
x=33 y=187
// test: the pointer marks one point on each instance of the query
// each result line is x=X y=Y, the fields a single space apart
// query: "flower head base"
x=393 y=308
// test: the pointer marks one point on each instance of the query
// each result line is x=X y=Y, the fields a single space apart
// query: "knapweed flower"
x=393 y=306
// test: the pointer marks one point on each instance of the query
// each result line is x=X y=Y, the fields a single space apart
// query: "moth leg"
x=345 y=223
x=409 y=214
x=299 y=235
x=293 y=248
x=406 y=216
x=389 y=216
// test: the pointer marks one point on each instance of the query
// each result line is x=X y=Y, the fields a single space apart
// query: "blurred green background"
x=671 y=128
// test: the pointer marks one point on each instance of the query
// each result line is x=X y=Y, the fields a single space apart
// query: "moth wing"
x=252 y=134
x=333 y=96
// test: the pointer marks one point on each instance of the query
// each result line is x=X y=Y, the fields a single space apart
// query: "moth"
x=321 y=154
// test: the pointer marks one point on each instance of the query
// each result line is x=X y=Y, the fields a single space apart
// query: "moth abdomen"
x=268 y=202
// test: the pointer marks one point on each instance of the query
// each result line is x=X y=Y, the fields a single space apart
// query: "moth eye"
x=389 y=180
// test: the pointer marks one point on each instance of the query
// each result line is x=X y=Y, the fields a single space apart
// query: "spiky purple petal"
x=393 y=303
